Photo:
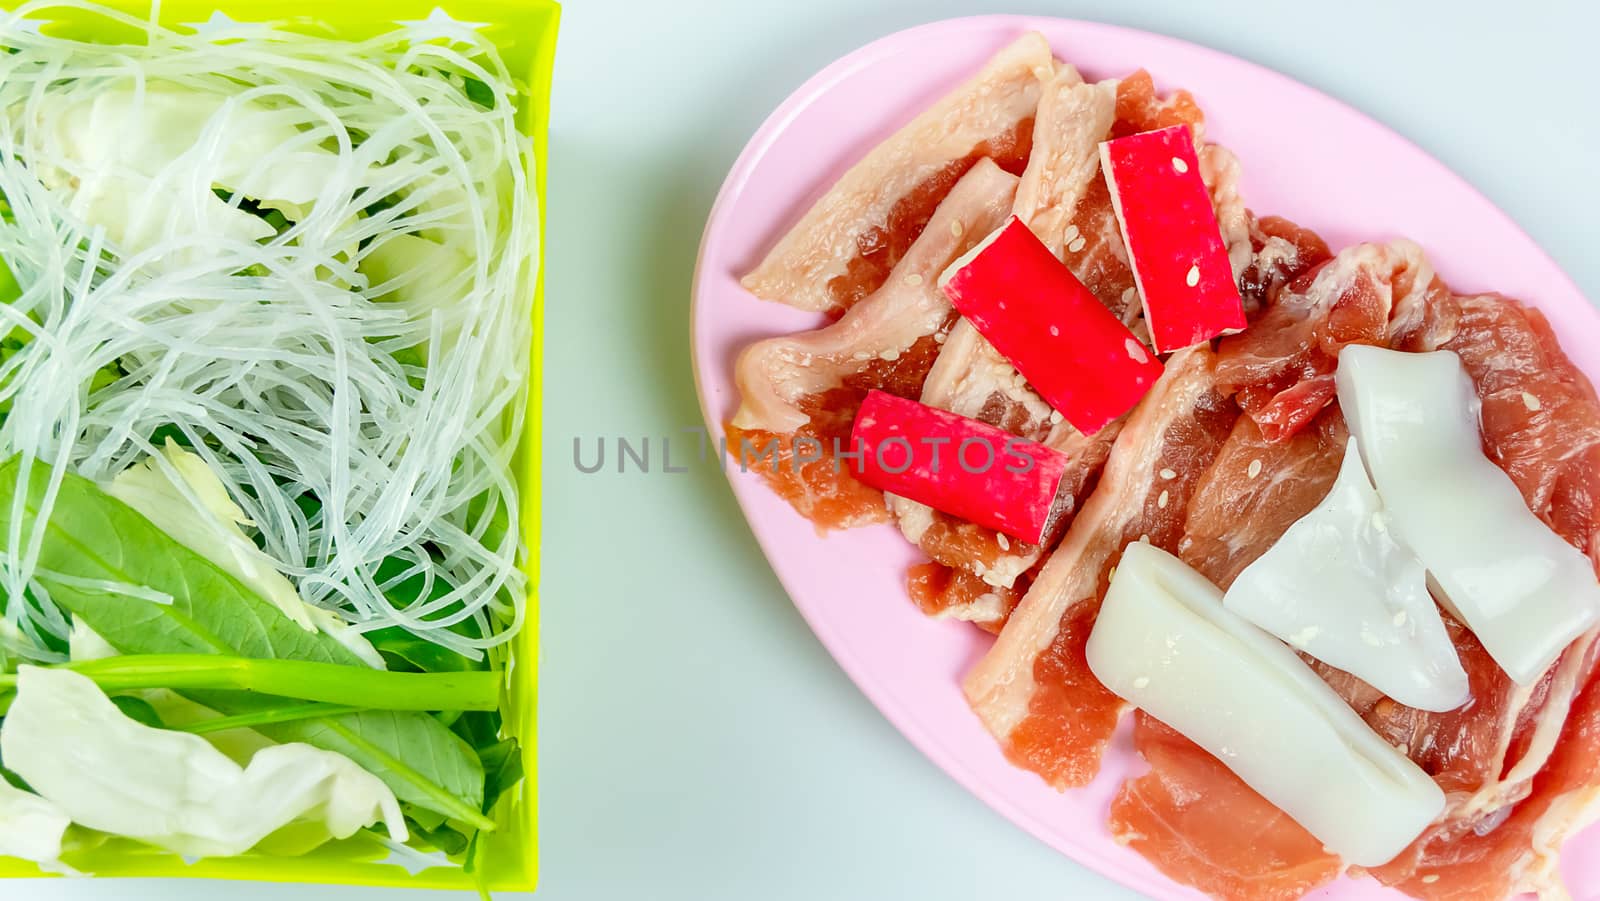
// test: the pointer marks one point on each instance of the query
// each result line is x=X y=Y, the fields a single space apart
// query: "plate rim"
x=1148 y=880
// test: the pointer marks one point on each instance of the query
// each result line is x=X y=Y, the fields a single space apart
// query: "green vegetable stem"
x=329 y=683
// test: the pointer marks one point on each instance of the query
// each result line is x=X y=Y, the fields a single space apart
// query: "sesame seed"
x=1055 y=331
x=1145 y=538
x=1403 y=748
x=1531 y=402
x=891 y=354
x=1112 y=574
x=1077 y=244
x=1400 y=618
x=1169 y=474
x=1193 y=278
x=1430 y=879
x=1070 y=235
x=1305 y=636
x=1254 y=470
x=1161 y=502
x=1003 y=541
x=1135 y=350
x=913 y=280
x=1179 y=164
x=1142 y=682
x=939 y=338
x=956 y=228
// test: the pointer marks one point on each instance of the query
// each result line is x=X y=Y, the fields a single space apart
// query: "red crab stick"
x=1072 y=350
x=960 y=466
x=1179 y=261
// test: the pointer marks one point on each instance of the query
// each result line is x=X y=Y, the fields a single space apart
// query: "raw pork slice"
x=846 y=244
x=1225 y=840
x=976 y=575
x=1033 y=689
x=1541 y=423
x=1281 y=368
x=799 y=393
x=971 y=378
x=1504 y=821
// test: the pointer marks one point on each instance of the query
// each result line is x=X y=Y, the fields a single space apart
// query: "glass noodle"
x=356 y=379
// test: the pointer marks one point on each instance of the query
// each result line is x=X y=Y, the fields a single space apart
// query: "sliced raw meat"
x=1242 y=504
x=1541 y=420
x=1279 y=252
x=1518 y=850
x=1279 y=367
x=1033 y=690
x=1484 y=755
x=799 y=392
x=1254 y=491
x=1226 y=841
x=847 y=243
x=1072 y=118
x=972 y=379
x=1189 y=813
x=1541 y=423
x=774 y=374
x=945 y=592
x=1220 y=170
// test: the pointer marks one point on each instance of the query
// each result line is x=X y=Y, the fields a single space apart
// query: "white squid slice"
x=1525 y=592
x=1165 y=643
x=1339 y=587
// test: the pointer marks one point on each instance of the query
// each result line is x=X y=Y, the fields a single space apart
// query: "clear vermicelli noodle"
x=305 y=260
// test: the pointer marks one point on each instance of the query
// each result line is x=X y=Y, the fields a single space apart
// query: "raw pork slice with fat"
x=799 y=393
x=843 y=248
x=975 y=574
x=1506 y=761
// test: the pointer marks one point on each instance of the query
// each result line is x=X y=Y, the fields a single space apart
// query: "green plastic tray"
x=525 y=33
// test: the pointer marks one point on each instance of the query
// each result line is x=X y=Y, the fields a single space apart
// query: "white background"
x=697 y=741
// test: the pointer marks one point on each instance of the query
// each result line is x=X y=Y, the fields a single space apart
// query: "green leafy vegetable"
x=139 y=710
x=93 y=543
x=420 y=760
x=502 y=765
x=404 y=651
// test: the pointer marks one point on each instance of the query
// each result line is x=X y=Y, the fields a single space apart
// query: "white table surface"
x=697 y=742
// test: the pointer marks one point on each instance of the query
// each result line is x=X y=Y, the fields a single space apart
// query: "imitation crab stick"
x=1079 y=356
x=963 y=467
x=1179 y=261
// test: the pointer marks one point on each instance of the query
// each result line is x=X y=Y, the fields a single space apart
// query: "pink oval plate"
x=1305 y=155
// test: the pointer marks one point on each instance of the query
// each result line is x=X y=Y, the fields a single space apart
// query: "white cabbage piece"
x=84 y=643
x=31 y=828
x=1339 y=587
x=142 y=160
x=174 y=790
x=196 y=511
